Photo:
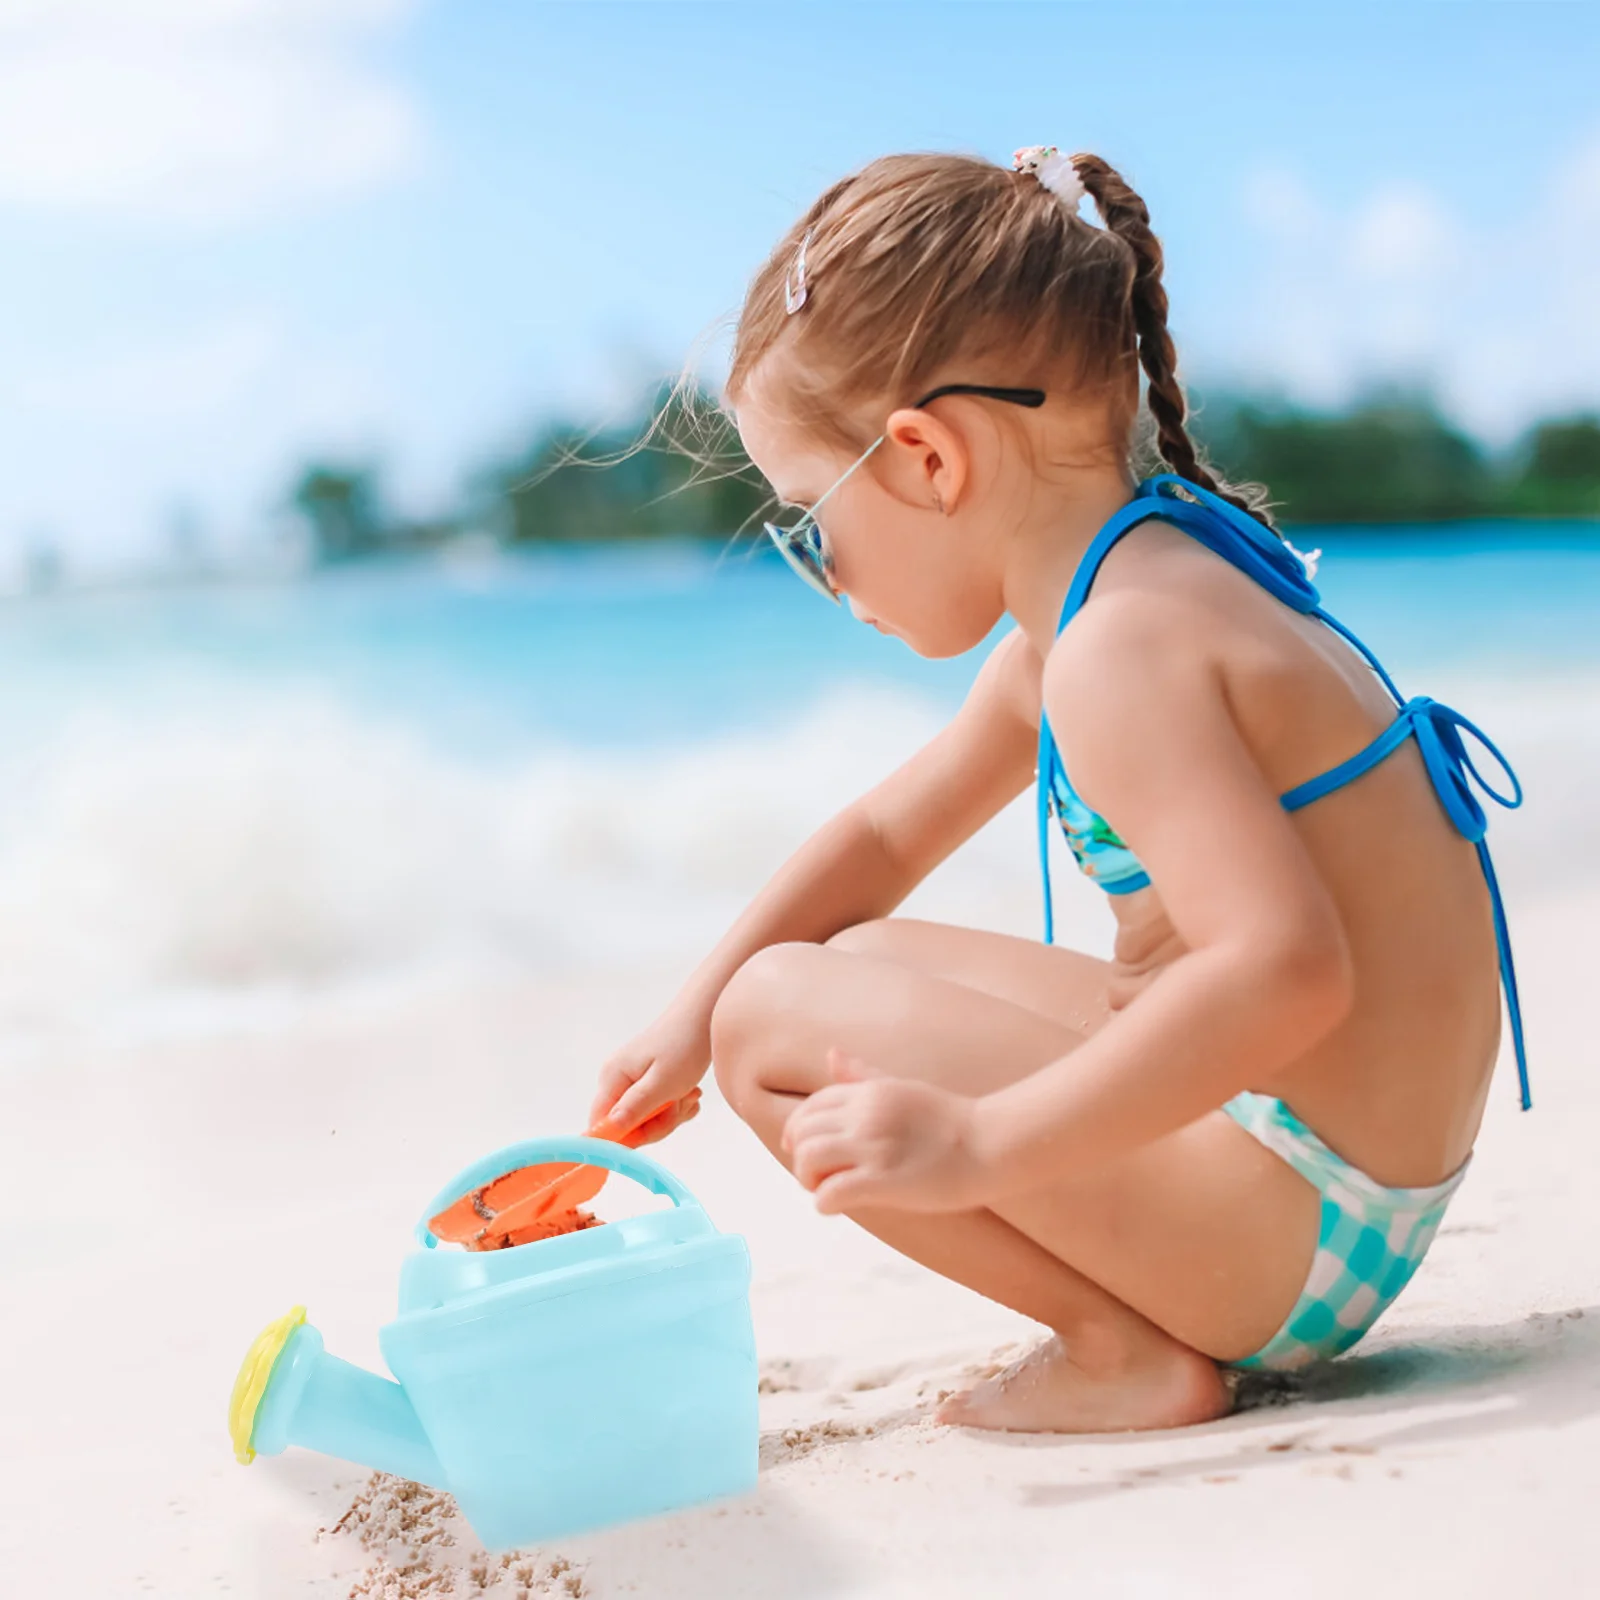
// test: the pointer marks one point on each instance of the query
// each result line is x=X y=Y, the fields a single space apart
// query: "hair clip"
x=794 y=283
x=1054 y=170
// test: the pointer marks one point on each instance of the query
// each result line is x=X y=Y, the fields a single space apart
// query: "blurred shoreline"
x=477 y=554
x=676 y=471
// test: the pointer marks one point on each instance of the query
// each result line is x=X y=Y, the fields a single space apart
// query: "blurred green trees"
x=1560 y=469
x=342 y=511
x=682 y=472
x=1393 y=458
x=345 y=516
x=679 y=470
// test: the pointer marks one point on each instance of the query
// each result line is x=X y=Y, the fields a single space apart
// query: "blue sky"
x=233 y=232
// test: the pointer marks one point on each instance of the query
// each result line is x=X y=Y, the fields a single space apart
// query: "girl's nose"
x=860 y=615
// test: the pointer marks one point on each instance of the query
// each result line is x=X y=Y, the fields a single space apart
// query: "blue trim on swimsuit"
x=1243 y=542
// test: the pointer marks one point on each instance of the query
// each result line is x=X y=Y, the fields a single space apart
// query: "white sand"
x=1453 y=1453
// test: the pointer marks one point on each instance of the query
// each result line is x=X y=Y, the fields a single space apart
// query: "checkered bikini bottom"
x=1372 y=1240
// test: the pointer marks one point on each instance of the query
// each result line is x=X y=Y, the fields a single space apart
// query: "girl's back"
x=1399 y=1086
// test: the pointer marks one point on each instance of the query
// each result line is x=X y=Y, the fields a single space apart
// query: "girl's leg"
x=1199 y=1243
x=1059 y=983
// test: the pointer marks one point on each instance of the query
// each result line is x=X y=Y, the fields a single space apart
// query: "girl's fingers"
x=819 y=1157
x=833 y=1096
x=809 y=1122
x=659 y=1123
x=827 y=1103
x=807 y=1117
x=630 y=1105
x=842 y=1191
x=669 y=1117
x=612 y=1092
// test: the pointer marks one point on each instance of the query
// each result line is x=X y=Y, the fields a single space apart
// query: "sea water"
x=217 y=800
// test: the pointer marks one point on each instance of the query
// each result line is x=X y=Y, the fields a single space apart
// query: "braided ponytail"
x=1126 y=216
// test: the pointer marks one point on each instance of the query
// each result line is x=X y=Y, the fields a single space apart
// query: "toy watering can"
x=553 y=1387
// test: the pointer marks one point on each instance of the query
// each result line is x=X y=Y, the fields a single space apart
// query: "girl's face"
x=905 y=568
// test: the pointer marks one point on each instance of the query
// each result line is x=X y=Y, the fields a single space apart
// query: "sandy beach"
x=197 y=1188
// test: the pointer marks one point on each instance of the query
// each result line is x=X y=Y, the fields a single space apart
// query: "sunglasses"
x=805 y=546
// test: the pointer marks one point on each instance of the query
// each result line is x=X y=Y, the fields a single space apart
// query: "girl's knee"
x=746 y=1022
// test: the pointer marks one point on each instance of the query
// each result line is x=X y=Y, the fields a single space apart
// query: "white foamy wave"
x=237 y=860
x=240 y=860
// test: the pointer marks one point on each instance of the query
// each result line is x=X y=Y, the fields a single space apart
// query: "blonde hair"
x=920 y=268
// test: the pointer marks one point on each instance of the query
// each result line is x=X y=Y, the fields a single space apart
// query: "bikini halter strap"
x=1216 y=523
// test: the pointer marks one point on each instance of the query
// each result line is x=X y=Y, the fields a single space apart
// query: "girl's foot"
x=1158 y=1384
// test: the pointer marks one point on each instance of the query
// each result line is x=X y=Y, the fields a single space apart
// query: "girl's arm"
x=860 y=865
x=868 y=858
x=1266 y=971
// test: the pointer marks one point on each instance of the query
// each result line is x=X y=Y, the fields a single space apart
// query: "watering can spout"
x=291 y=1391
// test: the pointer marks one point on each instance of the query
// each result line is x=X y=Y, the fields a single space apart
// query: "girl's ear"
x=928 y=461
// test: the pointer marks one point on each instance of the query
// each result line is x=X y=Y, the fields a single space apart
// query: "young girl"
x=1231 y=1144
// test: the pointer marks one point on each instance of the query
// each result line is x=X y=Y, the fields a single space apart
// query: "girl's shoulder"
x=1158 y=589
x=1154 y=584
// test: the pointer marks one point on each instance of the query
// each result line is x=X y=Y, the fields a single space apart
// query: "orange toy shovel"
x=532 y=1202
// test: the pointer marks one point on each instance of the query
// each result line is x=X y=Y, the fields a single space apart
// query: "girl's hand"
x=869 y=1139
x=655 y=1076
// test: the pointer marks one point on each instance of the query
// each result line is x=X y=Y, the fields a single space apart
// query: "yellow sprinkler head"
x=254 y=1375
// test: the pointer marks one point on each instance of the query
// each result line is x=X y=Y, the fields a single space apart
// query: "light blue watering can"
x=553 y=1387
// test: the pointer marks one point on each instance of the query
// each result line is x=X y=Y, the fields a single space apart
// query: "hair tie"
x=1054 y=170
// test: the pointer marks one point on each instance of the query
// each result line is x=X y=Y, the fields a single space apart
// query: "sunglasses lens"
x=803 y=553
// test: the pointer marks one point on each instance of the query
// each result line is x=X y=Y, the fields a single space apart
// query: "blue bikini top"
x=1239 y=539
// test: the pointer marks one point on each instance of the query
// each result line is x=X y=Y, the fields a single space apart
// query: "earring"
x=938 y=502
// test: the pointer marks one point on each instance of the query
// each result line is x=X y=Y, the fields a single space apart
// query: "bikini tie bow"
x=1441 y=733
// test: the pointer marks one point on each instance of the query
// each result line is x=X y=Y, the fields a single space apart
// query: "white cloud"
x=1401 y=234
x=1493 y=305
x=213 y=15
x=197 y=111
x=211 y=416
x=1280 y=204
x=192 y=375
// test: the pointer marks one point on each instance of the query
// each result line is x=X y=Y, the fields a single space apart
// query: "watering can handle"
x=588 y=1152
